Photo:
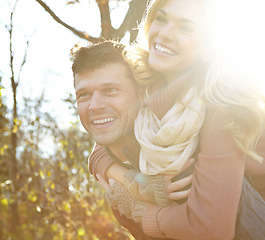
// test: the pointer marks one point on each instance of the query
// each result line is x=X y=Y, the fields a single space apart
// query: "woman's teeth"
x=163 y=49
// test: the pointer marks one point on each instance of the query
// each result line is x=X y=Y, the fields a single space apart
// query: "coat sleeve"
x=99 y=161
x=211 y=209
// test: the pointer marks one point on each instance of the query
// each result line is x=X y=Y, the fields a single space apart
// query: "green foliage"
x=4 y=143
x=56 y=197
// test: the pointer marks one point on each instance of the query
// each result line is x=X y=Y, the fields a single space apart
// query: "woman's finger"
x=179 y=195
x=179 y=184
x=188 y=164
x=103 y=182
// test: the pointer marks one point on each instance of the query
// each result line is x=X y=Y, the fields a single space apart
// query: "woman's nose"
x=168 y=32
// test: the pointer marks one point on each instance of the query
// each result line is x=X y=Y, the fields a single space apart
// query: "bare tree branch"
x=23 y=61
x=133 y=16
x=106 y=27
x=80 y=34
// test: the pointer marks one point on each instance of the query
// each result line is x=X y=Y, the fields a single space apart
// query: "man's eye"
x=83 y=95
x=111 y=90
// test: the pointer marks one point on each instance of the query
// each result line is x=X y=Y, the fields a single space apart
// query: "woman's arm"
x=100 y=161
x=211 y=209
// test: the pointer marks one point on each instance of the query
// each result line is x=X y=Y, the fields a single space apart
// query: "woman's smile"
x=174 y=37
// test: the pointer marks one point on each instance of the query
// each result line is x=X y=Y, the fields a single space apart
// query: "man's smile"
x=103 y=120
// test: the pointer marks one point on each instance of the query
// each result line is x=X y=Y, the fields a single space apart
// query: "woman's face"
x=174 y=37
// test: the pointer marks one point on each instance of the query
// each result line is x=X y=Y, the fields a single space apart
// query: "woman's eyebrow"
x=162 y=11
x=188 y=21
x=183 y=20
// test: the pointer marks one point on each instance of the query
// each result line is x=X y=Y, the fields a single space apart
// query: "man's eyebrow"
x=103 y=85
x=79 y=90
x=109 y=84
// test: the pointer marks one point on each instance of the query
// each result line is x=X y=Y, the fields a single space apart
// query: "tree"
x=50 y=194
x=47 y=195
x=3 y=136
x=129 y=24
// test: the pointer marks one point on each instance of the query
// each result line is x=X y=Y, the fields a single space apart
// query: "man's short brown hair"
x=98 y=55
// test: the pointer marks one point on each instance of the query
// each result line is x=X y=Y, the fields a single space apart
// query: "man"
x=108 y=102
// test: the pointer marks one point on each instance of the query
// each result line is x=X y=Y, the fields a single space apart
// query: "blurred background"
x=46 y=191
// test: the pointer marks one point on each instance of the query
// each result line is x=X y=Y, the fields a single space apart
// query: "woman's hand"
x=106 y=185
x=175 y=189
x=121 y=199
x=116 y=172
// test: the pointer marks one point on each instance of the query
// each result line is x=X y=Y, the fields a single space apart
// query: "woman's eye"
x=160 y=19
x=187 y=28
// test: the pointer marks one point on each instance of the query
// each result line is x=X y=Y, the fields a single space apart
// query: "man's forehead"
x=111 y=74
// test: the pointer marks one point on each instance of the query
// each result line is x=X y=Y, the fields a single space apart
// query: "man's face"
x=107 y=103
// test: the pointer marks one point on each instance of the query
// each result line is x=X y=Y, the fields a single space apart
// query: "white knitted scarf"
x=167 y=144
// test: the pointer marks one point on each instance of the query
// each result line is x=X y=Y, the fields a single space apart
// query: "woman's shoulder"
x=215 y=138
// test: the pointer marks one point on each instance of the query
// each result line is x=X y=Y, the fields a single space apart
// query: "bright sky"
x=239 y=30
x=48 y=64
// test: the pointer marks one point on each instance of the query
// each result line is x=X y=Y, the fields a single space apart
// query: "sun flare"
x=238 y=35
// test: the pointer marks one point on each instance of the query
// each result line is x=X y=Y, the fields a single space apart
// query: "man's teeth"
x=103 y=120
x=163 y=49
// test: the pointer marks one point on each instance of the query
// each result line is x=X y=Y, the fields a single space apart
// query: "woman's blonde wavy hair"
x=234 y=93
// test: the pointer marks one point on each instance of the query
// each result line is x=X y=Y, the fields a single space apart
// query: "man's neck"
x=118 y=148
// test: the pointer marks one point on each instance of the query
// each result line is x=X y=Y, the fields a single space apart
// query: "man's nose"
x=96 y=102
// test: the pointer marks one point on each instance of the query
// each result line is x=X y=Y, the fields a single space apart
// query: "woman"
x=227 y=137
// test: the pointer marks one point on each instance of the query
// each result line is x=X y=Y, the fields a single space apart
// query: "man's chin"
x=104 y=141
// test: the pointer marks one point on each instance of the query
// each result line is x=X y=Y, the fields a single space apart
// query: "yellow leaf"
x=4 y=201
x=95 y=237
x=2 y=151
x=61 y=233
x=101 y=202
x=81 y=170
x=15 y=129
x=54 y=227
x=81 y=231
x=52 y=186
x=66 y=206
x=71 y=154
x=89 y=213
x=32 y=197
x=42 y=174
